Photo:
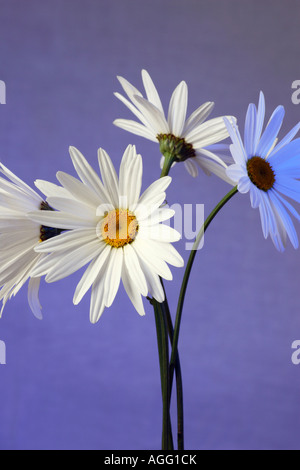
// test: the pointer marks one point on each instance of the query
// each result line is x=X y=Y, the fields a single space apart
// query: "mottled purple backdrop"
x=68 y=384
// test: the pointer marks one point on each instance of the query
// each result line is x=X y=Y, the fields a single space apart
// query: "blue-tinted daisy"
x=269 y=170
x=112 y=228
x=193 y=140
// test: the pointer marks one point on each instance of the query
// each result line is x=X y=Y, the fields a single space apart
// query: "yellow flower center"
x=119 y=227
x=261 y=173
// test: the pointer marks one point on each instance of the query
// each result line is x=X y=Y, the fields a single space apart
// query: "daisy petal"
x=113 y=276
x=235 y=172
x=134 y=270
x=167 y=252
x=129 y=89
x=155 y=118
x=72 y=207
x=130 y=177
x=264 y=218
x=91 y=274
x=87 y=174
x=61 y=220
x=287 y=156
x=259 y=121
x=289 y=207
x=158 y=186
x=132 y=292
x=51 y=189
x=177 y=109
x=209 y=166
x=19 y=183
x=78 y=189
x=197 y=117
x=271 y=132
x=132 y=108
x=154 y=283
x=33 y=297
x=287 y=139
x=250 y=128
x=151 y=91
x=72 y=261
x=255 y=196
x=239 y=155
x=151 y=204
x=67 y=240
x=97 y=304
x=109 y=176
x=156 y=264
x=191 y=168
x=208 y=133
x=288 y=186
x=136 y=128
x=160 y=232
x=287 y=221
x=244 y=184
x=160 y=215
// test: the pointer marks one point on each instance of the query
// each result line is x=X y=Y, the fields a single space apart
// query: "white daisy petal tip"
x=230 y=121
x=261 y=95
x=167 y=179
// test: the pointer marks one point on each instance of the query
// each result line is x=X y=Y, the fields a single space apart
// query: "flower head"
x=191 y=140
x=18 y=238
x=114 y=229
x=268 y=170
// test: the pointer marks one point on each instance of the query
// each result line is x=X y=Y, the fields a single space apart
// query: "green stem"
x=165 y=376
x=179 y=388
x=168 y=162
x=163 y=351
x=188 y=272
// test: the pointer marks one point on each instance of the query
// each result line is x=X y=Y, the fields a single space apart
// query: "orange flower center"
x=119 y=228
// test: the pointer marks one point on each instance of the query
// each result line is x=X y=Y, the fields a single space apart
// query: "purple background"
x=72 y=385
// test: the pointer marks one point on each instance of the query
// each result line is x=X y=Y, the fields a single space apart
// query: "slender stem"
x=159 y=340
x=163 y=351
x=188 y=272
x=168 y=162
x=179 y=387
x=179 y=391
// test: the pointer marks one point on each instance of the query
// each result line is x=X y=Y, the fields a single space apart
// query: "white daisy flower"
x=268 y=170
x=114 y=229
x=18 y=238
x=191 y=140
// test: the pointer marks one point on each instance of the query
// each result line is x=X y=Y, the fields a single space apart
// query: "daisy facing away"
x=269 y=170
x=193 y=141
x=111 y=227
x=18 y=238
